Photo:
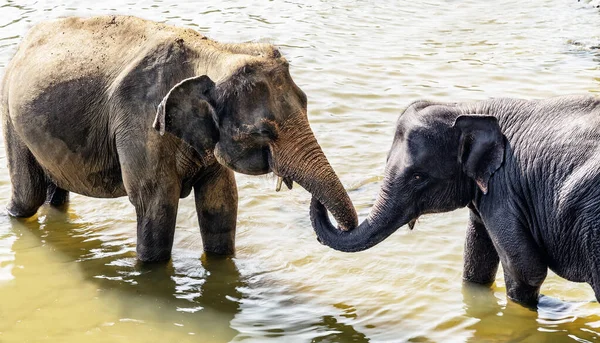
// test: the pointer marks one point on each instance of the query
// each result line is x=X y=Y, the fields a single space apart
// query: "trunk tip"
x=318 y=211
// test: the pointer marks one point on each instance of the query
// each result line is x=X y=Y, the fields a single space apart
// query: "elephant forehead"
x=428 y=149
x=423 y=140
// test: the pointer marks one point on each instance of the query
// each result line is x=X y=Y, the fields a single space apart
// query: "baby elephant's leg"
x=480 y=257
x=524 y=271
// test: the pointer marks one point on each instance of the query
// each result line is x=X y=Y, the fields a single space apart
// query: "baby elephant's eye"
x=419 y=177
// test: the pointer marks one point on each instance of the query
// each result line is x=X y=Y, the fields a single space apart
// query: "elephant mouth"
x=289 y=183
x=411 y=224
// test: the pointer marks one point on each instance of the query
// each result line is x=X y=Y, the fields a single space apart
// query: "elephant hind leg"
x=29 y=182
x=592 y=240
x=596 y=288
x=56 y=196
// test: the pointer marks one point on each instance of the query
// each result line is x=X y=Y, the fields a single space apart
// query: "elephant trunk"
x=297 y=155
x=385 y=218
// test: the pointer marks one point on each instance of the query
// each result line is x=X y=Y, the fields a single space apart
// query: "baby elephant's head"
x=440 y=158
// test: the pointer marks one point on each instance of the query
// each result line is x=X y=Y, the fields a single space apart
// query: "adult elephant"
x=529 y=171
x=86 y=103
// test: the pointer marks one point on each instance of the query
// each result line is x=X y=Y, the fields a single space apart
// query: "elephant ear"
x=481 y=147
x=186 y=113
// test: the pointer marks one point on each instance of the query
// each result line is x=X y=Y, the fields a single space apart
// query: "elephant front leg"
x=480 y=257
x=524 y=292
x=156 y=211
x=216 y=205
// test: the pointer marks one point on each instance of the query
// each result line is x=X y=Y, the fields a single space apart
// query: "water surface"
x=73 y=277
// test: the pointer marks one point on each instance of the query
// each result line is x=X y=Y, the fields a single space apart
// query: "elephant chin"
x=373 y=230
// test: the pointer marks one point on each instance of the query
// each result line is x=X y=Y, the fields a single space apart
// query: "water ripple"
x=73 y=276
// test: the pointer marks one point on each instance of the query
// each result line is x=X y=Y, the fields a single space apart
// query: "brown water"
x=73 y=277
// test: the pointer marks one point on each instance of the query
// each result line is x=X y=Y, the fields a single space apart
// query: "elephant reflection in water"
x=343 y=332
x=115 y=271
x=554 y=321
x=205 y=302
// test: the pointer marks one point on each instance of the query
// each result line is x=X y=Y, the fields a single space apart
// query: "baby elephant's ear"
x=481 y=147
x=185 y=112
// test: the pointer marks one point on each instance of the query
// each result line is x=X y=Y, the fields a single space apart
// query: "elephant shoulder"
x=145 y=80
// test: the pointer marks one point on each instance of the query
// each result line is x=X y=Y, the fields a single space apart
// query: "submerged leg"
x=153 y=187
x=480 y=257
x=593 y=246
x=26 y=176
x=524 y=292
x=524 y=271
x=156 y=211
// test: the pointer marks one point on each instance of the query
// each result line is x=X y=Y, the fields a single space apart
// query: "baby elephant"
x=529 y=171
x=115 y=106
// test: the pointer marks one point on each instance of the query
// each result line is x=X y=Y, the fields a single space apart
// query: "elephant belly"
x=76 y=157
x=95 y=175
x=103 y=183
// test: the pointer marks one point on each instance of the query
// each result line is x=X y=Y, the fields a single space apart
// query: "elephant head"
x=440 y=158
x=255 y=121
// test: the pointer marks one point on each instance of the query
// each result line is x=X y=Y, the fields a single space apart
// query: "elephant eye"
x=260 y=133
x=419 y=177
x=266 y=133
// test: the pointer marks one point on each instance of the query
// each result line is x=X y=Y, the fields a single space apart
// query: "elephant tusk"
x=279 y=182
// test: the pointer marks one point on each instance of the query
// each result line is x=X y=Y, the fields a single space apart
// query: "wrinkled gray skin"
x=528 y=171
x=115 y=106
